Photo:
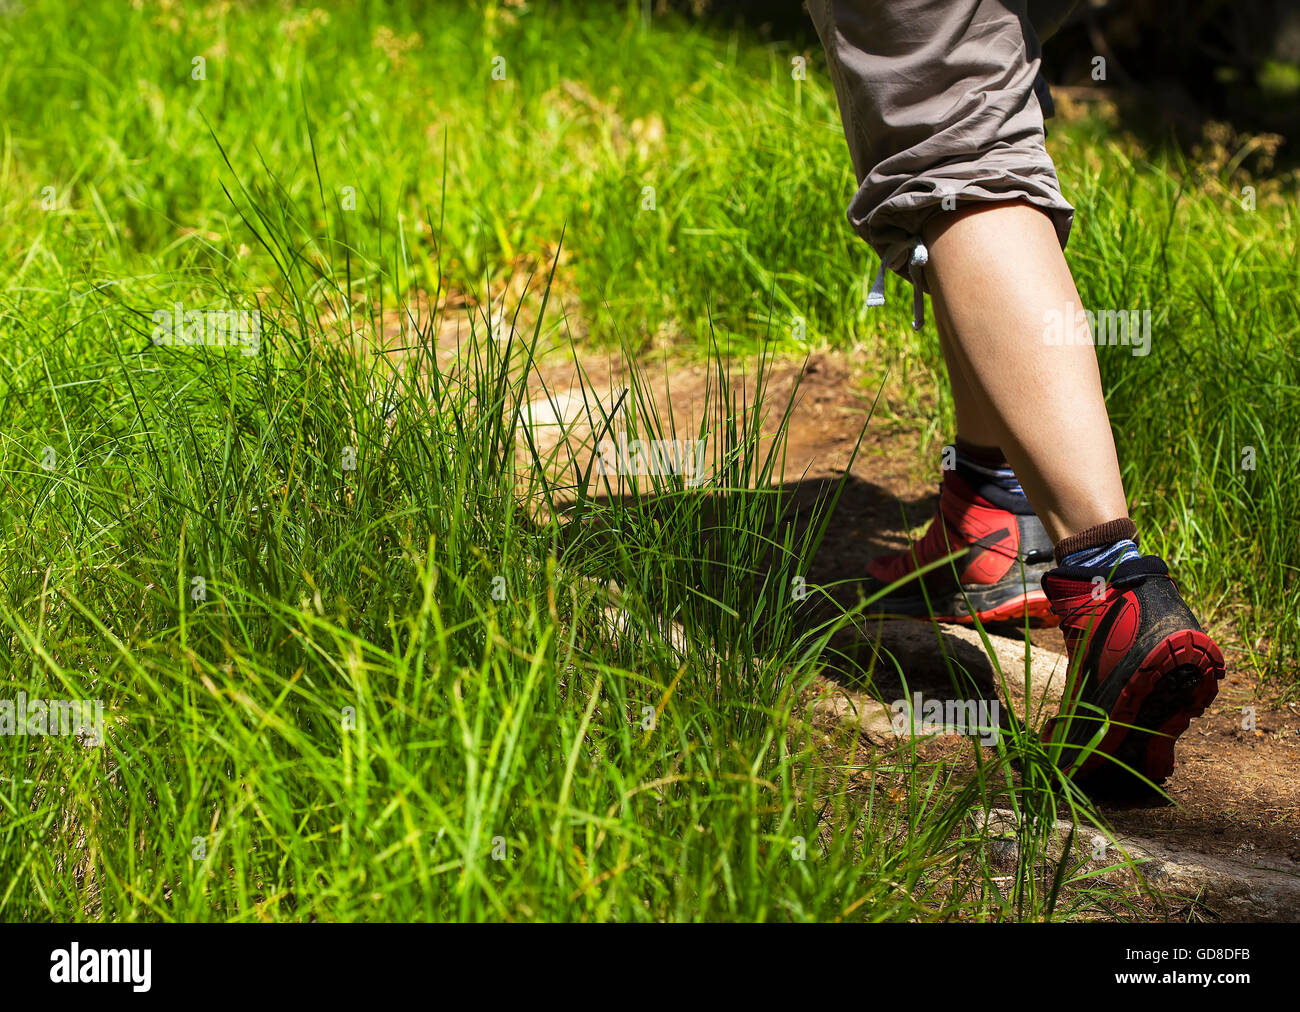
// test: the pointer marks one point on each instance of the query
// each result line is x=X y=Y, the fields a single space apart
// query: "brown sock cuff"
x=986 y=456
x=1097 y=537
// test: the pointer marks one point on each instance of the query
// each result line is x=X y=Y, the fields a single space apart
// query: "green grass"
x=401 y=693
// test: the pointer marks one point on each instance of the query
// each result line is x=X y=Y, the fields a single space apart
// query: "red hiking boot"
x=1005 y=552
x=1138 y=659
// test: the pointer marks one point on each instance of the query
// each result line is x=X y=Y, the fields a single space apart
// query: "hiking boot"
x=1004 y=553
x=1138 y=658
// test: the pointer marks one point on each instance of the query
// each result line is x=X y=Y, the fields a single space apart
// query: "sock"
x=1100 y=547
x=985 y=465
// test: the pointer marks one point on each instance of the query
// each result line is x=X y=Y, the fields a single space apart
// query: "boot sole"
x=955 y=609
x=1033 y=606
x=1174 y=684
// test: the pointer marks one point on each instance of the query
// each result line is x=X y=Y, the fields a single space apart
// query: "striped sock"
x=985 y=465
x=1105 y=557
x=1100 y=547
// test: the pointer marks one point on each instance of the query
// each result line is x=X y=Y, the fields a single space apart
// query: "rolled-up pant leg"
x=942 y=104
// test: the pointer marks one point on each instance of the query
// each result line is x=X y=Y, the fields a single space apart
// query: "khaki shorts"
x=943 y=105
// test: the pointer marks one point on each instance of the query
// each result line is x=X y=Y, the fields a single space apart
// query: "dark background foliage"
x=1171 y=65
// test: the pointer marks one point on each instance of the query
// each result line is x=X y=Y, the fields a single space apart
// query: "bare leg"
x=995 y=272
x=973 y=425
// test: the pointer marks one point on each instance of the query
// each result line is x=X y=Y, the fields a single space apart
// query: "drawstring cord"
x=920 y=256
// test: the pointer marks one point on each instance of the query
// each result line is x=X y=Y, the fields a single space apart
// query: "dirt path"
x=1236 y=792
